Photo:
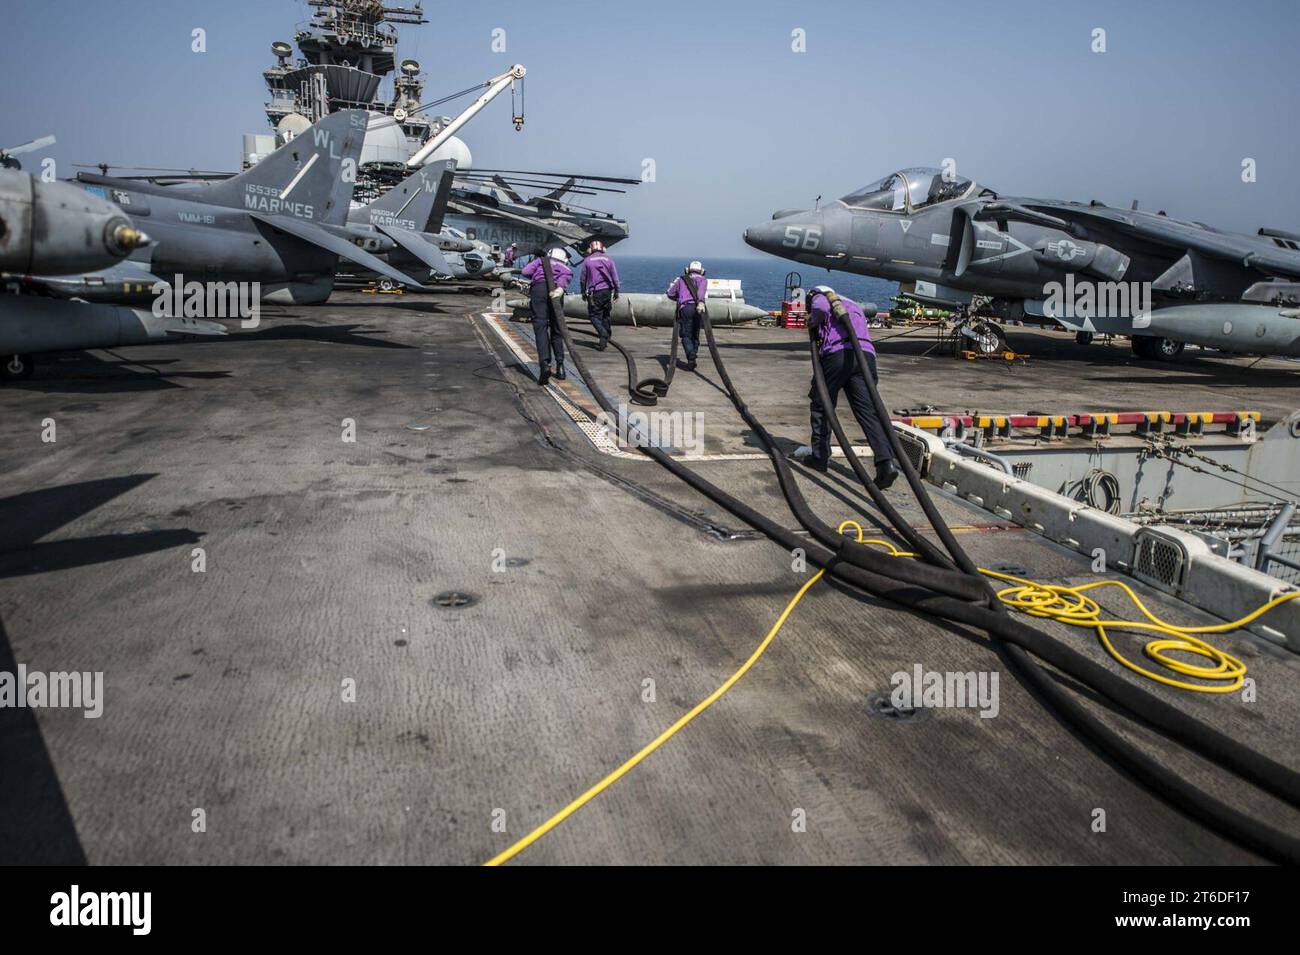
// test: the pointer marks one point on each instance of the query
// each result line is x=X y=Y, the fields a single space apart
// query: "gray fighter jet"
x=54 y=227
x=406 y=223
x=1089 y=267
x=282 y=223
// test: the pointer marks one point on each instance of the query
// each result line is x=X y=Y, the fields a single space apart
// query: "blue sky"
x=737 y=123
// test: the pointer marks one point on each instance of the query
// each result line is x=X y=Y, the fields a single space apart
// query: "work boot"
x=820 y=467
x=602 y=343
x=690 y=363
x=559 y=372
x=544 y=375
x=886 y=473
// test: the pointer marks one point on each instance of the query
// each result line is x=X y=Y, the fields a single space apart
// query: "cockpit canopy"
x=910 y=189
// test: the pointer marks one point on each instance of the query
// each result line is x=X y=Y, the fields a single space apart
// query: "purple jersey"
x=680 y=294
x=830 y=336
x=534 y=273
x=598 y=272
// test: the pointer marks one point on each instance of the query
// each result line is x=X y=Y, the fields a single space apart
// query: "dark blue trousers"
x=550 y=343
x=599 y=304
x=842 y=374
x=688 y=327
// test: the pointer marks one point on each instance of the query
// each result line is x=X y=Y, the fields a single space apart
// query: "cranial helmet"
x=559 y=255
x=695 y=266
x=596 y=246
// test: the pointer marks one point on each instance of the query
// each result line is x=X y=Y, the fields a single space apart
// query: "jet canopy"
x=910 y=189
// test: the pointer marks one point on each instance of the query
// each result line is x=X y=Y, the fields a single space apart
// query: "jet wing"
x=418 y=246
x=301 y=229
x=1157 y=230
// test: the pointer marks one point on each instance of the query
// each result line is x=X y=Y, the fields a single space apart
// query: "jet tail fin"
x=416 y=204
x=309 y=177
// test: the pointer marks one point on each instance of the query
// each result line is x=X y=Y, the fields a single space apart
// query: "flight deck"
x=363 y=592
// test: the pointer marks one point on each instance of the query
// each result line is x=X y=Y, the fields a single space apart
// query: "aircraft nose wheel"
x=16 y=367
x=1083 y=338
x=981 y=337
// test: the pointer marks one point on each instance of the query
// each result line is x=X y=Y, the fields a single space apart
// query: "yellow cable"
x=1069 y=605
x=658 y=741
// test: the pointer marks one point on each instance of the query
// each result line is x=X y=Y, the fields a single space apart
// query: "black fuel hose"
x=904 y=462
x=939 y=579
x=646 y=391
x=942 y=579
x=1267 y=774
x=1207 y=741
x=1272 y=776
x=918 y=543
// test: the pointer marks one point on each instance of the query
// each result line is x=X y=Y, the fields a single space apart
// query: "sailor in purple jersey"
x=546 y=329
x=599 y=280
x=509 y=258
x=840 y=368
x=689 y=291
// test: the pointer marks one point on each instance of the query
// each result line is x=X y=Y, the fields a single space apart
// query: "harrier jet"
x=55 y=228
x=1089 y=267
x=283 y=223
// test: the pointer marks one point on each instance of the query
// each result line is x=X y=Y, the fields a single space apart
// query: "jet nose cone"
x=787 y=235
x=762 y=237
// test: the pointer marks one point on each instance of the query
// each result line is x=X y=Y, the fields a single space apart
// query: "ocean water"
x=763 y=279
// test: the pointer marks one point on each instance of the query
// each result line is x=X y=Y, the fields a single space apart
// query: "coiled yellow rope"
x=1073 y=606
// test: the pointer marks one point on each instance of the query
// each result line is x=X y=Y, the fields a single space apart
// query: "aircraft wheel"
x=987 y=338
x=16 y=367
x=1155 y=348
x=1083 y=338
x=387 y=284
x=1168 y=350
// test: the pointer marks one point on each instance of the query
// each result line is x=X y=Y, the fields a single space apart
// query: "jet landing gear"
x=1154 y=348
x=978 y=335
x=16 y=367
x=971 y=336
x=983 y=337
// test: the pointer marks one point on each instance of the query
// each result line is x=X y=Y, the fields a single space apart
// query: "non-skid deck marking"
x=575 y=400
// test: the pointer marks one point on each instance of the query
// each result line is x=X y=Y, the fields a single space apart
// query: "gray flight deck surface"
x=223 y=689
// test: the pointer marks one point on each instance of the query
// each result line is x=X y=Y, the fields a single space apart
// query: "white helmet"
x=695 y=266
x=596 y=246
x=559 y=255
